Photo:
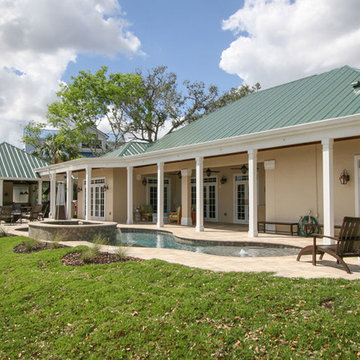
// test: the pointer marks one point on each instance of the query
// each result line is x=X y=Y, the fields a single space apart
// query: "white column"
x=87 y=192
x=160 y=194
x=328 y=188
x=39 y=199
x=1 y=192
x=69 y=194
x=52 y=195
x=199 y=194
x=186 y=197
x=130 y=219
x=253 y=206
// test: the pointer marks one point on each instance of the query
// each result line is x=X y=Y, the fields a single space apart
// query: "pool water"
x=153 y=239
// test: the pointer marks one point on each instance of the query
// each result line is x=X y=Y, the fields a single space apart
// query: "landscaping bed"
x=75 y=259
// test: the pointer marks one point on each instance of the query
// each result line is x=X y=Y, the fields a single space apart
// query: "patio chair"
x=6 y=214
x=348 y=244
x=146 y=212
x=175 y=216
x=33 y=214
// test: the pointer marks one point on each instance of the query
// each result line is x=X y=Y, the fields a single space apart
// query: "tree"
x=138 y=106
x=52 y=148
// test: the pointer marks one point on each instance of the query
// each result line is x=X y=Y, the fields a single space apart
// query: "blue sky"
x=186 y=36
x=219 y=42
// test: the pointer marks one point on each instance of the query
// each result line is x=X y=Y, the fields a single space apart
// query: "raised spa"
x=72 y=230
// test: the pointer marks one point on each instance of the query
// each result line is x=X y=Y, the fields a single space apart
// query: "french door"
x=210 y=197
x=152 y=194
x=97 y=199
x=241 y=199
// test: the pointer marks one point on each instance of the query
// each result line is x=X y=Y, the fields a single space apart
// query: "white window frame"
x=84 y=198
x=168 y=185
x=216 y=182
x=236 y=221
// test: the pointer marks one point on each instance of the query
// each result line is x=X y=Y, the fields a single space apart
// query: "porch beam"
x=129 y=219
x=87 y=192
x=69 y=194
x=39 y=192
x=186 y=197
x=253 y=207
x=328 y=188
x=199 y=194
x=52 y=195
x=160 y=195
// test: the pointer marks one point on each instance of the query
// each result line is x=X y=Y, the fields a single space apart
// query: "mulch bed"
x=21 y=248
x=74 y=259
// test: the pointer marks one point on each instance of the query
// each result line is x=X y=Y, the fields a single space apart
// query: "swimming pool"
x=157 y=239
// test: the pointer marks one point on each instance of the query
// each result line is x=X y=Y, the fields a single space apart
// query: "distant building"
x=84 y=148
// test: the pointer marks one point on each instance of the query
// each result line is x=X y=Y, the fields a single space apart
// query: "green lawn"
x=152 y=309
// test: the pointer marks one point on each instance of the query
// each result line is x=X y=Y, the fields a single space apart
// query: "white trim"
x=168 y=186
x=341 y=127
x=199 y=194
x=328 y=188
x=357 y=184
x=130 y=196
x=236 y=182
x=85 y=202
x=206 y=185
x=1 y=192
x=253 y=188
x=69 y=195
x=160 y=195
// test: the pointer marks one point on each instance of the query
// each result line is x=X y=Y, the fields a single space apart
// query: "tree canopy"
x=132 y=106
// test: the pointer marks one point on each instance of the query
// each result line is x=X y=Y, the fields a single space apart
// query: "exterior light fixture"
x=344 y=177
x=144 y=182
x=79 y=189
x=223 y=180
x=208 y=172
x=106 y=187
x=244 y=169
x=179 y=174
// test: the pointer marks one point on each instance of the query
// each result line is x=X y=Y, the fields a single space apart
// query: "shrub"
x=121 y=252
x=32 y=244
x=88 y=255
x=99 y=239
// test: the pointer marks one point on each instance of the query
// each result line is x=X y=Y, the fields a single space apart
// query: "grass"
x=155 y=310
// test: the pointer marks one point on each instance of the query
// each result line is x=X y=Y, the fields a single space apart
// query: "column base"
x=187 y=221
x=252 y=234
x=199 y=228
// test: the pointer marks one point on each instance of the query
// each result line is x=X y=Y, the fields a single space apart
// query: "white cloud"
x=282 y=40
x=38 y=39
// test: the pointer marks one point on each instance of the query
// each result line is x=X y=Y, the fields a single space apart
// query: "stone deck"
x=285 y=266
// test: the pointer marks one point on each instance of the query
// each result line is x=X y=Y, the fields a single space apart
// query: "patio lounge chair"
x=33 y=214
x=348 y=243
x=146 y=212
x=6 y=214
x=175 y=215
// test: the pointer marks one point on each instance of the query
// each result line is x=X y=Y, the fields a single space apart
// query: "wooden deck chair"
x=348 y=244
x=175 y=216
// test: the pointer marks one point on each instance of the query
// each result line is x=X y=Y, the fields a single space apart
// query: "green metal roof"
x=314 y=98
x=131 y=148
x=18 y=164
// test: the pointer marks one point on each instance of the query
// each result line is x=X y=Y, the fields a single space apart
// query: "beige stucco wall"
x=295 y=185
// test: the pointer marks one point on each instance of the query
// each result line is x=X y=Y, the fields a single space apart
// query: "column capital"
x=252 y=153
x=327 y=143
x=186 y=172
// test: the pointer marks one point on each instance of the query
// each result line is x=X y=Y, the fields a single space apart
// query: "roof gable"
x=131 y=148
x=18 y=164
x=314 y=98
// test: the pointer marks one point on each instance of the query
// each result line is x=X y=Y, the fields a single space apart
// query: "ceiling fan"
x=208 y=171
